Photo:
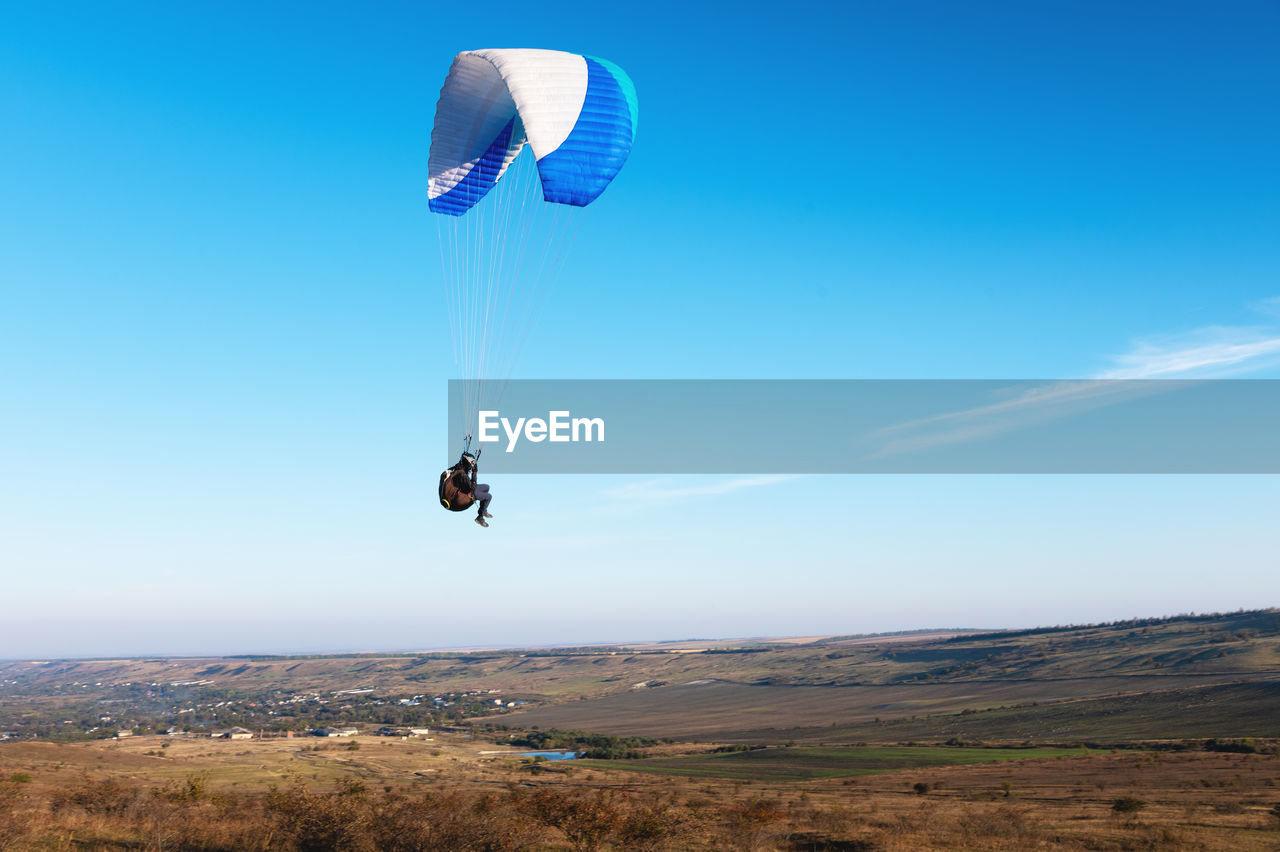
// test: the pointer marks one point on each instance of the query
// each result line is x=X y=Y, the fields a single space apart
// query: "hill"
x=1067 y=681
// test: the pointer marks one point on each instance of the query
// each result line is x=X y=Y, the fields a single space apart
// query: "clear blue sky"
x=223 y=346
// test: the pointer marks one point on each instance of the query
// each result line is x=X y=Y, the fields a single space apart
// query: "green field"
x=807 y=764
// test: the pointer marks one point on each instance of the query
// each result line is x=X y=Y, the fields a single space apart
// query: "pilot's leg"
x=482 y=500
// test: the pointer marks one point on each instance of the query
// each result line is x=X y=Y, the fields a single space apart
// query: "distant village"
x=200 y=708
x=238 y=733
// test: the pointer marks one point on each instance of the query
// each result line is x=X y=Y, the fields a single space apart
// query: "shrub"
x=1127 y=805
x=1245 y=746
x=651 y=825
x=108 y=797
x=316 y=822
x=586 y=820
x=192 y=789
x=753 y=823
x=451 y=821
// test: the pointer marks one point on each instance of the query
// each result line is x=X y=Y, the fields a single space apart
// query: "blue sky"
x=223 y=344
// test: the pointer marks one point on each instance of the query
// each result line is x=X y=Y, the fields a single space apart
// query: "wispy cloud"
x=1211 y=352
x=1022 y=408
x=1270 y=307
x=1214 y=352
x=663 y=490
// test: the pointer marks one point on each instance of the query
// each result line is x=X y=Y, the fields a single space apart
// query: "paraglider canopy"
x=577 y=114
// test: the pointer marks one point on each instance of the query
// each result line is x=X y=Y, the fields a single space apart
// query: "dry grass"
x=406 y=795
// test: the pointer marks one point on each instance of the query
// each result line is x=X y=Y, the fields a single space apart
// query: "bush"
x=755 y=824
x=192 y=789
x=651 y=825
x=107 y=797
x=317 y=822
x=586 y=821
x=451 y=821
x=612 y=753
x=1245 y=746
x=1127 y=805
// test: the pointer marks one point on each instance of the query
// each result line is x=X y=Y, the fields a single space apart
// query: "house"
x=232 y=734
x=123 y=732
x=335 y=732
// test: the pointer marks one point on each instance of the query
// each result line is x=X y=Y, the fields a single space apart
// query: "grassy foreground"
x=455 y=795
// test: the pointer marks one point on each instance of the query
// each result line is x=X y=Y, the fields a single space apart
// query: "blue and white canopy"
x=577 y=113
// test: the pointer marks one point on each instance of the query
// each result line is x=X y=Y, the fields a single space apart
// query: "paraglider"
x=459 y=490
x=499 y=242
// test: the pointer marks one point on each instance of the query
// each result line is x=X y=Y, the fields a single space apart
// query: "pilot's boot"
x=481 y=521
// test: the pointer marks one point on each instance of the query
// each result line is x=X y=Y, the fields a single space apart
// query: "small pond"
x=552 y=755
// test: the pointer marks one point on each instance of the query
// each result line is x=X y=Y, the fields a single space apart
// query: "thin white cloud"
x=1034 y=405
x=1270 y=307
x=1213 y=352
x=662 y=490
x=1216 y=351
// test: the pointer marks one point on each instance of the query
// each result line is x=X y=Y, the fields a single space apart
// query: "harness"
x=455 y=499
